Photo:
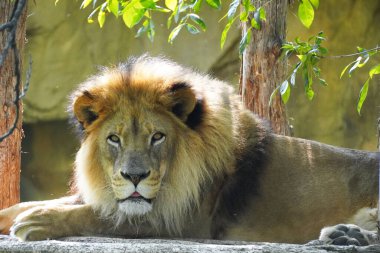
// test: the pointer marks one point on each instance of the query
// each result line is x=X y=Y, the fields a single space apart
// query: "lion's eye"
x=157 y=138
x=113 y=140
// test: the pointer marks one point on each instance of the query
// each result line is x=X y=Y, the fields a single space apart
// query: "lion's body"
x=169 y=152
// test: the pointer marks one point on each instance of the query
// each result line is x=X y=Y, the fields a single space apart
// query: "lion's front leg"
x=54 y=221
x=8 y=215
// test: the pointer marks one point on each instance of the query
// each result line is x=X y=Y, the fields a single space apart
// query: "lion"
x=167 y=151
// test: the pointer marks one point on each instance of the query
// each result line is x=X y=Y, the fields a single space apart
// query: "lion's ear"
x=85 y=108
x=185 y=104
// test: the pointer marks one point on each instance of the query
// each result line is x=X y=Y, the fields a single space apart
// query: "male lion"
x=166 y=151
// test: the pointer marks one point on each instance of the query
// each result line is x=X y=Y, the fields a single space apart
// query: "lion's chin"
x=135 y=207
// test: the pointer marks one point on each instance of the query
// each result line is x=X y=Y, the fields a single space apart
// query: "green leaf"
x=89 y=18
x=248 y=6
x=308 y=82
x=306 y=13
x=101 y=18
x=171 y=4
x=232 y=9
x=285 y=91
x=323 y=51
x=174 y=33
x=197 y=5
x=142 y=29
x=244 y=16
x=317 y=71
x=319 y=38
x=197 y=20
x=177 y=12
x=149 y=4
x=225 y=32
x=345 y=68
x=310 y=94
x=183 y=7
x=214 y=3
x=113 y=6
x=245 y=41
x=360 y=49
x=322 y=81
x=293 y=78
x=256 y=21
x=374 y=70
x=362 y=96
x=262 y=14
x=288 y=46
x=302 y=58
x=364 y=62
x=132 y=16
x=85 y=3
x=192 y=29
x=356 y=64
x=272 y=95
x=254 y=24
x=151 y=31
x=161 y=9
x=315 y=3
x=170 y=19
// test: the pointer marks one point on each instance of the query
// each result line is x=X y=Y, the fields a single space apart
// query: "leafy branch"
x=309 y=54
x=184 y=14
x=139 y=13
x=364 y=56
x=249 y=14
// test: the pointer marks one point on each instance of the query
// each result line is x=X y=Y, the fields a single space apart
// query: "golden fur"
x=201 y=165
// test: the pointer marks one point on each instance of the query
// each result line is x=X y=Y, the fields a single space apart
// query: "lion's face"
x=137 y=146
x=133 y=122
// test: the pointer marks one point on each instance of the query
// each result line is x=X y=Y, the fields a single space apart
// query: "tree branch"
x=377 y=48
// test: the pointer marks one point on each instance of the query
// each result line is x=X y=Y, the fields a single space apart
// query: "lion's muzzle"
x=134 y=166
x=134 y=178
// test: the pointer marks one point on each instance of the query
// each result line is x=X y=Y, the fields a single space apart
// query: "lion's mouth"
x=135 y=197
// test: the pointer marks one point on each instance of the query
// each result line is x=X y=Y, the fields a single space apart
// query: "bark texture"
x=262 y=69
x=10 y=147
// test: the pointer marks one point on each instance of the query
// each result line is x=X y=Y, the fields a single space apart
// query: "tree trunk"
x=262 y=70
x=378 y=203
x=10 y=147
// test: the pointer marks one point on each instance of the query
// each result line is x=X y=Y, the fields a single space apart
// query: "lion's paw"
x=5 y=223
x=347 y=234
x=8 y=215
x=36 y=224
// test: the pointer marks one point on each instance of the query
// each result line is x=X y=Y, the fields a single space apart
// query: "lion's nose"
x=135 y=178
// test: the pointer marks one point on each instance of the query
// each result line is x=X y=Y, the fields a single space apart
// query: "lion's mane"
x=205 y=145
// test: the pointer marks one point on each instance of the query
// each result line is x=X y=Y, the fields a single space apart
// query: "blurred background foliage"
x=66 y=49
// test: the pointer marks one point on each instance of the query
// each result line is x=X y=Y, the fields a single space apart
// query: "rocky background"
x=66 y=49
